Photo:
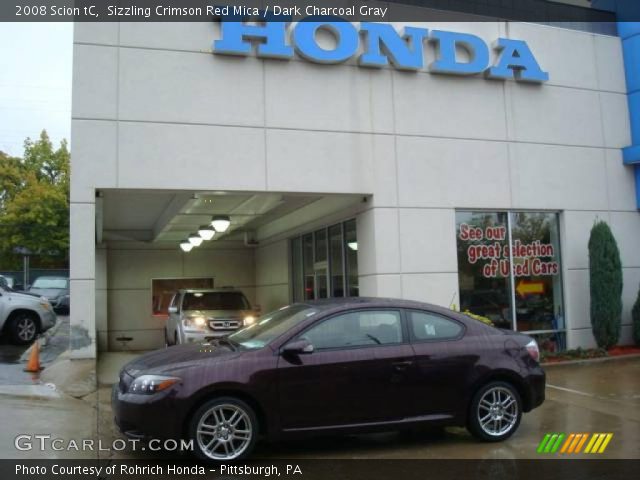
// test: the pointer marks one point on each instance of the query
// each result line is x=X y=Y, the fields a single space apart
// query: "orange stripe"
x=574 y=443
x=584 y=439
x=567 y=442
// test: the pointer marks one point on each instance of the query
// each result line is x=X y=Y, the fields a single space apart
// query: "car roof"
x=210 y=290
x=359 y=302
x=57 y=277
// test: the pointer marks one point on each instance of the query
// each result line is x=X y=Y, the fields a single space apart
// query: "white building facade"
x=341 y=179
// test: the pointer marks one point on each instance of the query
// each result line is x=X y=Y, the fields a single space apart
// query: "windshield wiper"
x=229 y=343
x=373 y=338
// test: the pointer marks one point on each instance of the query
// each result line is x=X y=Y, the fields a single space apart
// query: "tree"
x=34 y=203
x=635 y=315
x=605 y=277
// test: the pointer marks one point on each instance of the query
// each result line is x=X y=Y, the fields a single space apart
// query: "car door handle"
x=403 y=365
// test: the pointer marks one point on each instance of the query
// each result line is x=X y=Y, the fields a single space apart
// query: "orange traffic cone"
x=33 y=365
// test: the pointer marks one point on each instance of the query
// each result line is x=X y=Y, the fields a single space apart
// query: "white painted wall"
x=272 y=275
x=148 y=97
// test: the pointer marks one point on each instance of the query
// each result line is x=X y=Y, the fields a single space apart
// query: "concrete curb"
x=590 y=360
x=37 y=391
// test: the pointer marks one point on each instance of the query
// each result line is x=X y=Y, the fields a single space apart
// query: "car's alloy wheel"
x=495 y=412
x=24 y=329
x=224 y=429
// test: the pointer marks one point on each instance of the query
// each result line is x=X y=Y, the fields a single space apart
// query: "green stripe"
x=543 y=443
x=547 y=449
x=558 y=442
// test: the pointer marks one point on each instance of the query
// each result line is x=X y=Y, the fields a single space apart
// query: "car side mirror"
x=173 y=309
x=298 y=347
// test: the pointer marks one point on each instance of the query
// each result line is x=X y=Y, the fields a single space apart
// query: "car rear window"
x=214 y=301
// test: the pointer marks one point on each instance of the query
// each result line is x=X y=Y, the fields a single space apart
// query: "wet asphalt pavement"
x=12 y=368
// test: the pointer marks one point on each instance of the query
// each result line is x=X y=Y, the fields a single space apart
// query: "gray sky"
x=35 y=82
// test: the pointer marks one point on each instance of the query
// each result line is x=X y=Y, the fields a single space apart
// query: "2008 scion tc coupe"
x=351 y=365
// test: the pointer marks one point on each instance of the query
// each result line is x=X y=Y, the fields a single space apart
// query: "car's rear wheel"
x=224 y=429
x=24 y=328
x=495 y=413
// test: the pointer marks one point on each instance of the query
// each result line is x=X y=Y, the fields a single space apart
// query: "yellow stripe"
x=606 y=442
x=595 y=447
x=574 y=443
x=591 y=442
x=584 y=439
x=567 y=442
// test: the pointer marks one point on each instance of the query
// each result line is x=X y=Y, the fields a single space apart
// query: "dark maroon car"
x=349 y=365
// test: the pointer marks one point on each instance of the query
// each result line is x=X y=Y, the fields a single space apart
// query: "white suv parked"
x=200 y=315
x=23 y=316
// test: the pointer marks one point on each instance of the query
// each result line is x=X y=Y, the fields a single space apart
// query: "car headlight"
x=44 y=303
x=149 y=384
x=195 y=322
x=249 y=320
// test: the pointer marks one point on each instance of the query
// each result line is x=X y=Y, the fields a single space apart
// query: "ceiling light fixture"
x=353 y=246
x=196 y=240
x=221 y=223
x=206 y=232
x=186 y=246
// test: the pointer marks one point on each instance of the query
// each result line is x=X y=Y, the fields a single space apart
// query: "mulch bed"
x=589 y=353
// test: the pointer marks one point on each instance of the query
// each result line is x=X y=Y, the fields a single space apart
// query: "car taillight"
x=532 y=348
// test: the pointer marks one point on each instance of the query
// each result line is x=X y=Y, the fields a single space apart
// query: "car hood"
x=180 y=357
x=26 y=297
x=47 y=292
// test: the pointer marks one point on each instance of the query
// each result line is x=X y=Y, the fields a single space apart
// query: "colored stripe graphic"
x=573 y=443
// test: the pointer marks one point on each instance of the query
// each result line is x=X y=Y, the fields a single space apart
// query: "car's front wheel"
x=23 y=328
x=495 y=413
x=224 y=429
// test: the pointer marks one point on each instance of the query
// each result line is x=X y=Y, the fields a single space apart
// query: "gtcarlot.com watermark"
x=47 y=442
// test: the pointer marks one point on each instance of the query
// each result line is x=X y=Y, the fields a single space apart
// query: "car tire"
x=231 y=430
x=24 y=328
x=495 y=412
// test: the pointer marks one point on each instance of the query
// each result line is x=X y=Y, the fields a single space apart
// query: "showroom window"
x=324 y=263
x=509 y=270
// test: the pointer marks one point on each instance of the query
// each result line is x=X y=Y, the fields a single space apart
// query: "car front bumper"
x=47 y=319
x=204 y=336
x=146 y=417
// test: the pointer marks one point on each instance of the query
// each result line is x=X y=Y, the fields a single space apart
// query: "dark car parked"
x=54 y=289
x=351 y=365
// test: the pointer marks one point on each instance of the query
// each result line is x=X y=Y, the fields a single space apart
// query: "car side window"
x=356 y=329
x=429 y=326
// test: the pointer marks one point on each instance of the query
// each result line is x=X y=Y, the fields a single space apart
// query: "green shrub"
x=635 y=315
x=605 y=285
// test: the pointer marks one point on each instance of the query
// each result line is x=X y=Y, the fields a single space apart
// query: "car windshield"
x=271 y=326
x=214 y=301
x=5 y=283
x=50 y=283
